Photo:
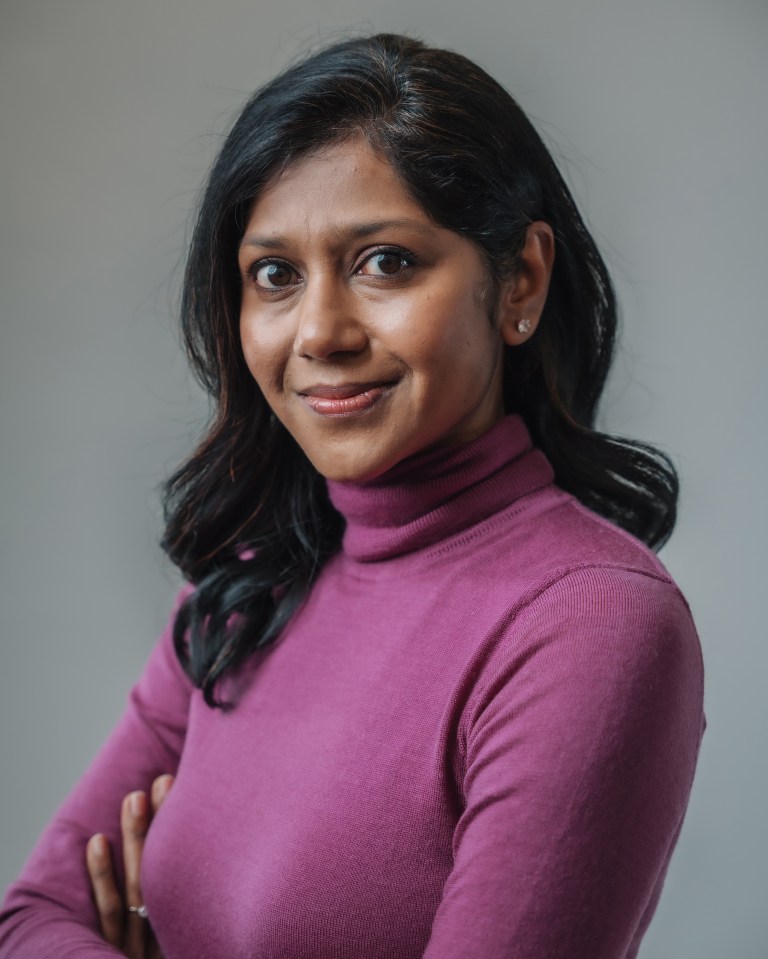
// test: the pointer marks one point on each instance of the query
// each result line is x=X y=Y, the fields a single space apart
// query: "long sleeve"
x=580 y=746
x=49 y=911
x=475 y=739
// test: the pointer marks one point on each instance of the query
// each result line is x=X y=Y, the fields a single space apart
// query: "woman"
x=428 y=692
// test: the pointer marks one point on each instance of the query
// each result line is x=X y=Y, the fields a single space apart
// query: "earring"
x=523 y=325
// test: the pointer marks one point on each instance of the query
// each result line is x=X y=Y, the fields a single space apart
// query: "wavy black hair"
x=248 y=519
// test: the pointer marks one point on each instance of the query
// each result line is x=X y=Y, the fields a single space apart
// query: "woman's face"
x=367 y=327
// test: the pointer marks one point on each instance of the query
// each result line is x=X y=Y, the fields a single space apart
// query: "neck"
x=439 y=492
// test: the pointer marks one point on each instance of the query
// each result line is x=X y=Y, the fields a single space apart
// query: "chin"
x=352 y=469
x=352 y=473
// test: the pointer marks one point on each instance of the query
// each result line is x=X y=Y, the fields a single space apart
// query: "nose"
x=327 y=321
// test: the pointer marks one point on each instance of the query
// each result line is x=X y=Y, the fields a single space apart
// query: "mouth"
x=346 y=399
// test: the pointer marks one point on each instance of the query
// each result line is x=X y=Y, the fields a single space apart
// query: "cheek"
x=451 y=335
x=250 y=351
x=262 y=355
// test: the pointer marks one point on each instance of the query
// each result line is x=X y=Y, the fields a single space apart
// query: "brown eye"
x=386 y=263
x=274 y=276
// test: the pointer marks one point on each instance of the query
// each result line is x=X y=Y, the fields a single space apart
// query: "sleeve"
x=49 y=911
x=580 y=744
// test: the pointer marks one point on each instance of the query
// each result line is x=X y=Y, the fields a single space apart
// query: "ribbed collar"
x=438 y=493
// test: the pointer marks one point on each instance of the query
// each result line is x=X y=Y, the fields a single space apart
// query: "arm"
x=580 y=745
x=49 y=910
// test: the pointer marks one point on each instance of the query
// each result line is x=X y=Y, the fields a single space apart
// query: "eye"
x=388 y=262
x=273 y=274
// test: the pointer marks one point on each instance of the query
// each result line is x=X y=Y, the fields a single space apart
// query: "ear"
x=522 y=297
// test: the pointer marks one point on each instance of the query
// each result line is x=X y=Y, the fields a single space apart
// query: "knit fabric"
x=476 y=738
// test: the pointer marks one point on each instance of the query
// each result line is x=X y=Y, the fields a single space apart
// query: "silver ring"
x=141 y=911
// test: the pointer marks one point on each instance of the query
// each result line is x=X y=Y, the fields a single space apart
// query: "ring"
x=141 y=911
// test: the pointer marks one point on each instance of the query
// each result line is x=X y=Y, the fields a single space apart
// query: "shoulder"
x=628 y=615
x=601 y=610
x=556 y=533
x=594 y=617
x=164 y=689
x=557 y=561
x=604 y=658
x=598 y=585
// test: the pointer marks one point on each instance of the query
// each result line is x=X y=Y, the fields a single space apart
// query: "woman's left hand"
x=121 y=925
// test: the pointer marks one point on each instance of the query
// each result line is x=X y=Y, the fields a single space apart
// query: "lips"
x=344 y=399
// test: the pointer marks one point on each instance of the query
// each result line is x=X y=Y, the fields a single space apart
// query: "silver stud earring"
x=523 y=325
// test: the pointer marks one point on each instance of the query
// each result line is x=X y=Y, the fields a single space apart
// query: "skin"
x=348 y=286
x=125 y=930
x=369 y=330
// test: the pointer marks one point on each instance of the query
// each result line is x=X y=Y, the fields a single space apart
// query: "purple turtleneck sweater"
x=475 y=740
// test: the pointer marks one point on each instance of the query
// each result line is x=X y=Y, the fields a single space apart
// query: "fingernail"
x=137 y=803
x=98 y=845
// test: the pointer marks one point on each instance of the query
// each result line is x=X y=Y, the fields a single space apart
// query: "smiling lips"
x=344 y=400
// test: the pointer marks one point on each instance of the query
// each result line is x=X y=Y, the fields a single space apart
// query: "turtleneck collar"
x=439 y=492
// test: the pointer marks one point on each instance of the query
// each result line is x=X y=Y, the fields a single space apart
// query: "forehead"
x=332 y=188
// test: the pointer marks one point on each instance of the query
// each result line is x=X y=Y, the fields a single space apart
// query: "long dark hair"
x=248 y=519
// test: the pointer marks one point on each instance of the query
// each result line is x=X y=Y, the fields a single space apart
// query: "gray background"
x=110 y=115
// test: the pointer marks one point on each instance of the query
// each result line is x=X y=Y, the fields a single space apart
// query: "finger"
x=160 y=789
x=109 y=903
x=153 y=951
x=134 y=821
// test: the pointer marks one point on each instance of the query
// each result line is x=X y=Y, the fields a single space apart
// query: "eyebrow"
x=354 y=232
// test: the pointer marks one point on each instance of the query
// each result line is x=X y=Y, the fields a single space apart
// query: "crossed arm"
x=628 y=778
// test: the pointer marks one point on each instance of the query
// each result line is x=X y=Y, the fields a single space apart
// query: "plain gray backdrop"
x=110 y=114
